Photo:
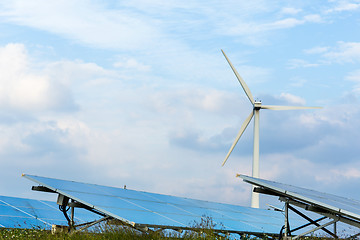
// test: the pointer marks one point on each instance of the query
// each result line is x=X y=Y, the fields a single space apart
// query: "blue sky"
x=138 y=93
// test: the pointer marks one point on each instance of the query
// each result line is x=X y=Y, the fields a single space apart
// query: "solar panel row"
x=151 y=209
x=336 y=209
x=337 y=204
x=157 y=210
x=27 y=213
x=30 y=213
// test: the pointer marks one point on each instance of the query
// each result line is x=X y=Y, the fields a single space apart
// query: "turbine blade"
x=242 y=129
x=242 y=82
x=273 y=107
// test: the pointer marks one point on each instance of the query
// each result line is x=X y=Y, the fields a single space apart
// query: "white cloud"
x=284 y=23
x=298 y=82
x=339 y=174
x=277 y=165
x=309 y=174
x=344 y=6
x=349 y=173
x=252 y=28
x=255 y=30
x=316 y=50
x=139 y=25
x=354 y=76
x=310 y=120
x=313 y=18
x=292 y=99
x=345 y=52
x=132 y=63
x=24 y=89
x=342 y=53
x=300 y=63
x=84 y=21
x=78 y=72
x=290 y=10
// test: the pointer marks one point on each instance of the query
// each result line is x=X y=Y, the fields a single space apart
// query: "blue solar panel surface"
x=337 y=204
x=151 y=209
x=30 y=213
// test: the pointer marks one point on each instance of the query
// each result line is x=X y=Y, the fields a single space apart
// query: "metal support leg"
x=286 y=219
x=72 y=217
x=72 y=221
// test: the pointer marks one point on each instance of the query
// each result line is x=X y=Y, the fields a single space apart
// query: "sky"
x=138 y=93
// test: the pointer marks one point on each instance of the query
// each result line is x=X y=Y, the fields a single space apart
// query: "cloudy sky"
x=139 y=93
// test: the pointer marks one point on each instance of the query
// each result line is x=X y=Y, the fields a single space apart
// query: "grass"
x=123 y=233
x=106 y=231
x=204 y=230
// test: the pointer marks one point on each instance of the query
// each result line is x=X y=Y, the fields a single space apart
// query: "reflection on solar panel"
x=29 y=213
x=151 y=210
x=335 y=208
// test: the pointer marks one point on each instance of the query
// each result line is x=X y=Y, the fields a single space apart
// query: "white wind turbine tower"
x=256 y=111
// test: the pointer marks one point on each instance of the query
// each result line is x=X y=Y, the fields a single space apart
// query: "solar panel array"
x=151 y=209
x=31 y=213
x=337 y=204
x=28 y=213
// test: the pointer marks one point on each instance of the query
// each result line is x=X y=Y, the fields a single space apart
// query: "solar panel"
x=30 y=213
x=164 y=211
x=345 y=206
x=334 y=207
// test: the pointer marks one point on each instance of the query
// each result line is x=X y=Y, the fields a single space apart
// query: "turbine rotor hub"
x=257 y=105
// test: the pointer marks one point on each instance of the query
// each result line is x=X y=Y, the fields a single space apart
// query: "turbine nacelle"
x=257 y=105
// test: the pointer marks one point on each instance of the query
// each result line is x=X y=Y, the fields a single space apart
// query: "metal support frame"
x=336 y=217
x=353 y=236
x=42 y=189
x=317 y=228
x=308 y=224
x=321 y=212
x=289 y=201
x=335 y=214
x=90 y=224
x=312 y=221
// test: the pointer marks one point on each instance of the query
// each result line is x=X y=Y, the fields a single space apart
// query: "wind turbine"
x=257 y=105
